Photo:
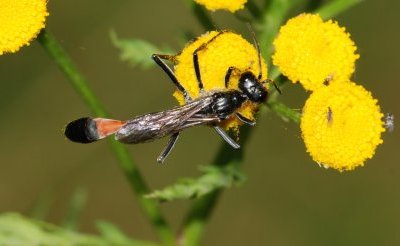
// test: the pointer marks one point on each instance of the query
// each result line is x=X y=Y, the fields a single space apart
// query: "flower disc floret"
x=231 y=5
x=341 y=125
x=310 y=51
x=20 y=22
x=226 y=50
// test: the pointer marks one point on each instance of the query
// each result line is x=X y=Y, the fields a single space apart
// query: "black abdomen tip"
x=82 y=130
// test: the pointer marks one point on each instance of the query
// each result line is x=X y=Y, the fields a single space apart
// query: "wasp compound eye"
x=82 y=130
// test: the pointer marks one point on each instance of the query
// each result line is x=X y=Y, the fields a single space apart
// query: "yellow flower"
x=310 y=51
x=231 y=5
x=20 y=22
x=228 y=49
x=341 y=125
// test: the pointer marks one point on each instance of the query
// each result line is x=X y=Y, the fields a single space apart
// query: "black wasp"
x=208 y=109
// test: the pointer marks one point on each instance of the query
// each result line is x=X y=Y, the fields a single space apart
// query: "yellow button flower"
x=231 y=5
x=310 y=51
x=228 y=49
x=341 y=125
x=20 y=22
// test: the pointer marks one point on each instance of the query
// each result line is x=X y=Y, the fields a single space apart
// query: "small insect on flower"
x=389 y=122
x=209 y=107
x=329 y=115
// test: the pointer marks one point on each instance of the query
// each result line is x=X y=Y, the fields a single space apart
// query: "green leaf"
x=213 y=178
x=137 y=52
x=16 y=229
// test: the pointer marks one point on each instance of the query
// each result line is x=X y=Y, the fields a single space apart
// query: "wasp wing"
x=156 y=125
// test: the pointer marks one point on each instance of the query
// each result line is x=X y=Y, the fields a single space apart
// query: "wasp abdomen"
x=88 y=130
x=82 y=130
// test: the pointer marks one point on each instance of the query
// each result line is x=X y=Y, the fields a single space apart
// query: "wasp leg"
x=157 y=58
x=226 y=137
x=245 y=120
x=229 y=74
x=196 y=59
x=168 y=148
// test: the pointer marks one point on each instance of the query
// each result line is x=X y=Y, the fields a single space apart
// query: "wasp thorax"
x=252 y=88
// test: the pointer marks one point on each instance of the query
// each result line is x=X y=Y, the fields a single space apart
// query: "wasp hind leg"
x=170 y=145
x=158 y=60
x=245 y=120
x=226 y=137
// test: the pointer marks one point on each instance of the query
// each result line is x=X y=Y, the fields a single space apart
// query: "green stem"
x=271 y=21
x=202 y=15
x=334 y=8
x=284 y=111
x=198 y=215
x=150 y=208
x=312 y=5
x=253 y=9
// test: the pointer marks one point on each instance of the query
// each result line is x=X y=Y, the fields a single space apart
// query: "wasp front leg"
x=157 y=58
x=196 y=60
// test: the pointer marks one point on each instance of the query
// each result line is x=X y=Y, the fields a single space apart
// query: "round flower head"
x=226 y=50
x=231 y=5
x=341 y=125
x=311 y=51
x=20 y=22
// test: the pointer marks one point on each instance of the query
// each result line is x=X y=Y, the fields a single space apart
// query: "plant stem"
x=336 y=7
x=253 y=9
x=312 y=5
x=275 y=14
x=284 y=111
x=202 y=16
x=150 y=208
x=197 y=217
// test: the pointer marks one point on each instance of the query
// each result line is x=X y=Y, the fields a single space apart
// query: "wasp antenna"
x=273 y=83
x=88 y=130
x=253 y=35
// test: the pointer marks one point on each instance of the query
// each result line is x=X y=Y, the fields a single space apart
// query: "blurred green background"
x=287 y=199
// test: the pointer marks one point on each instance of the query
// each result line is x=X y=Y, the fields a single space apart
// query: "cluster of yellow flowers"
x=341 y=122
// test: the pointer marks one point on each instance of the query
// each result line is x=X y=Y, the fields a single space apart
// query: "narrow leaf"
x=213 y=178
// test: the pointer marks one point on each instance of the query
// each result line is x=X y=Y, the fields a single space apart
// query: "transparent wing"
x=156 y=125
